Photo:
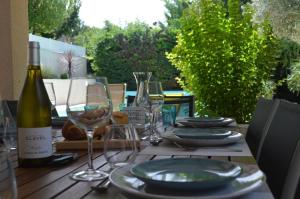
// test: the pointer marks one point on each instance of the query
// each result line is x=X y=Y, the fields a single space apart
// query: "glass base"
x=89 y=175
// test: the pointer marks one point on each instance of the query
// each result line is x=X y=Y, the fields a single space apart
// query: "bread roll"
x=120 y=117
x=72 y=132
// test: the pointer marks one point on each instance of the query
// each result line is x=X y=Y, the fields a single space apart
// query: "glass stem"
x=90 y=150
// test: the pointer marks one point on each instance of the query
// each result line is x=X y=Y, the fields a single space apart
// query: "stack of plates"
x=186 y=178
x=202 y=136
x=205 y=121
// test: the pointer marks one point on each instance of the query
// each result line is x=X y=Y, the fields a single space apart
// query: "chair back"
x=117 y=92
x=262 y=116
x=277 y=148
x=290 y=188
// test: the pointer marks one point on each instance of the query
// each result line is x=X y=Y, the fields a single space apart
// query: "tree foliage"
x=71 y=26
x=47 y=17
x=284 y=16
x=224 y=58
x=137 y=47
x=89 y=37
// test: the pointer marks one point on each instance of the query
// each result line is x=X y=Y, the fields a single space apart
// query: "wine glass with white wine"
x=89 y=107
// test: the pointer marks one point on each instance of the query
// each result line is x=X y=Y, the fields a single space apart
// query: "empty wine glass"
x=120 y=139
x=8 y=127
x=51 y=94
x=8 y=187
x=156 y=97
x=89 y=107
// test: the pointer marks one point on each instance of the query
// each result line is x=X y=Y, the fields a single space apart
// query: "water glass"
x=8 y=187
x=120 y=144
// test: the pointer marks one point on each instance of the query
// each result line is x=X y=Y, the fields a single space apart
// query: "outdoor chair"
x=291 y=188
x=263 y=114
x=277 y=149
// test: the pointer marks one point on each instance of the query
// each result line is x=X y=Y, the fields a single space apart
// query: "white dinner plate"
x=233 y=138
x=122 y=179
x=206 y=123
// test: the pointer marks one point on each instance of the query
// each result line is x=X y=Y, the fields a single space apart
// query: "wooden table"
x=54 y=182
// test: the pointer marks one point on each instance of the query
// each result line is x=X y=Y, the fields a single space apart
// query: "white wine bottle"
x=34 y=116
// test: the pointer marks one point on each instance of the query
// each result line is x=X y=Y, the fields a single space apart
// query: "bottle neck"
x=34 y=56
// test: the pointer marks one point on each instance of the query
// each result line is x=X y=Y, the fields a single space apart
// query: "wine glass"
x=156 y=97
x=8 y=186
x=8 y=127
x=51 y=94
x=89 y=107
x=120 y=139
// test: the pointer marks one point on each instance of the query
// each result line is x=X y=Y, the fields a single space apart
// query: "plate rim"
x=231 y=139
x=226 y=133
x=222 y=123
x=195 y=119
x=138 y=193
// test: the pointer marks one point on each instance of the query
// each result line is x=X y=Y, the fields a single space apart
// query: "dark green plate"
x=204 y=119
x=186 y=173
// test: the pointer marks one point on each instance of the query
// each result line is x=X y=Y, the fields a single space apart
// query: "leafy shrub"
x=293 y=80
x=64 y=76
x=224 y=58
x=287 y=71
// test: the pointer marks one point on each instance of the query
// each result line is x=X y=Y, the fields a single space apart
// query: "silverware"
x=102 y=187
x=155 y=139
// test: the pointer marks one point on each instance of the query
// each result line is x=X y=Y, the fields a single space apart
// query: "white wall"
x=53 y=56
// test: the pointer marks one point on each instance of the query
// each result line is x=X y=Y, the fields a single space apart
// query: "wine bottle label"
x=34 y=142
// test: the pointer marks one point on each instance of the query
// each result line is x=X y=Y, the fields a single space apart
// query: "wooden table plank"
x=112 y=192
x=49 y=178
x=64 y=183
x=81 y=189
x=29 y=174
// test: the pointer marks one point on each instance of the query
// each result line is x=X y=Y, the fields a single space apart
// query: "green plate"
x=186 y=173
x=204 y=119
